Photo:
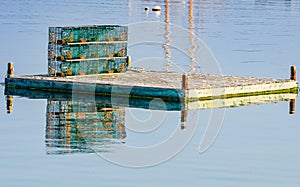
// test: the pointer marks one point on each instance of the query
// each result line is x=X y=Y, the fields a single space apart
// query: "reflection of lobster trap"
x=75 y=111
x=70 y=124
x=87 y=50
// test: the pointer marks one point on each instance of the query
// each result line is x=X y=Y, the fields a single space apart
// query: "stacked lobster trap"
x=87 y=50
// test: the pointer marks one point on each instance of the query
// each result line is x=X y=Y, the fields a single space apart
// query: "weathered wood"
x=168 y=86
x=293 y=73
x=185 y=82
x=128 y=61
x=10 y=69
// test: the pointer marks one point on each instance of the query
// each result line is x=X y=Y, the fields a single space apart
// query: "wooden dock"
x=175 y=87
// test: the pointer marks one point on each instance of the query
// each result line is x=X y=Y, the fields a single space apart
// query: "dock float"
x=175 y=87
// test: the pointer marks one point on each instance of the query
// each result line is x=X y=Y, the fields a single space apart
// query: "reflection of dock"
x=82 y=124
x=241 y=101
x=153 y=104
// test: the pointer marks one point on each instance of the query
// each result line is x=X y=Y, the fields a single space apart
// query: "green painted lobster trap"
x=87 y=67
x=85 y=50
x=93 y=33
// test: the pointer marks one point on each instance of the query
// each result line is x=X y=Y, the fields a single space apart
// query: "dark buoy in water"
x=156 y=8
x=146 y=8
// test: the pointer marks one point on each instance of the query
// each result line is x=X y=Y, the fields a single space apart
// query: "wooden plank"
x=91 y=59
x=93 y=43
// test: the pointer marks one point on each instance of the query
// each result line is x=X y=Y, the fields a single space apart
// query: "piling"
x=10 y=69
x=9 y=104
x=292 y=106
x=128 y=61
x=293 y=73
x=185 y=82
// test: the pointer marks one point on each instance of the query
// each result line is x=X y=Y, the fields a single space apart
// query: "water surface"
x=257 y=145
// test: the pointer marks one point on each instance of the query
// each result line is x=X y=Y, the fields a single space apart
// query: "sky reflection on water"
x=257 y=145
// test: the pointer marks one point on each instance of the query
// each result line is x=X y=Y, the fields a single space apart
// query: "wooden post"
x=183 y=119
x=185 y=81
x=9 y=103
x=128 y=61
x=293 y=73
x=10 y=69
x=292 y=106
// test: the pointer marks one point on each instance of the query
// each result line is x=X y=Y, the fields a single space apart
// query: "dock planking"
x=164 y=85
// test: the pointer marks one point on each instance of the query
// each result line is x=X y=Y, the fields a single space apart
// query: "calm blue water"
x=258 y=145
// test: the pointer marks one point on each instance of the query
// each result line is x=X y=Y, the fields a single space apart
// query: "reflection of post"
x=68 y=126
x=193 y=45
x=9 y=103
x=167 y=37
x=183 y=119
x=292 y=106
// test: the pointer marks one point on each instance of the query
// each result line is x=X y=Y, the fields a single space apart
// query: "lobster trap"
x=85 y=50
